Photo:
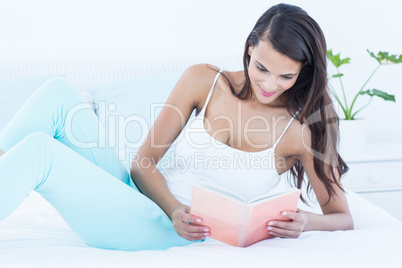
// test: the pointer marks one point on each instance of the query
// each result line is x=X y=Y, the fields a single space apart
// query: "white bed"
x=35 y=235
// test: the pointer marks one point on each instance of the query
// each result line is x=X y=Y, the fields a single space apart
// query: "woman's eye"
x=259 y=68
x=287 y=77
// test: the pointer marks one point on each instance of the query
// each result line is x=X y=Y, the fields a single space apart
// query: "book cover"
x=236 y=222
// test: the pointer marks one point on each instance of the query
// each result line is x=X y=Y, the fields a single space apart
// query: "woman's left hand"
x=288 y=229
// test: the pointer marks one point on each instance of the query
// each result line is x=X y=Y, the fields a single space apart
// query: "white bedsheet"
x=35 y=235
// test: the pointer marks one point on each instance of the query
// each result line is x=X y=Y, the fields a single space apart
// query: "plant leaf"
x=337 y=75
x=384 y=58
x=378 y=93
x=336 y=59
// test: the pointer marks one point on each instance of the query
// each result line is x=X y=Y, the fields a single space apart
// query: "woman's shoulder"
x=200 y=78
x=202 y=74
x=299 y=137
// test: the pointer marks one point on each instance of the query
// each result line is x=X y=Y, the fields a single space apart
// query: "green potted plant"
x=350 y=139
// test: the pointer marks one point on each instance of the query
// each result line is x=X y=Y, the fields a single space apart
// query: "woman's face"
x=271 y=73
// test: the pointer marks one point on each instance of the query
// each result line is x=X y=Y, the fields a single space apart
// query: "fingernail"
x=271 y=223
x=198 y=220
x=284 y=213
x=269 y=228
x=206 y=230
x=206 y=234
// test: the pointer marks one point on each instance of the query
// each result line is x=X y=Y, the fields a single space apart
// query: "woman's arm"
x=185 y=96
x=336 y=213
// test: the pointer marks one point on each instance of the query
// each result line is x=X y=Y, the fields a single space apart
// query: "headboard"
x=89 y=73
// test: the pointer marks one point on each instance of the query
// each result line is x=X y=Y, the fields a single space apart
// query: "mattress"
x=35 y=235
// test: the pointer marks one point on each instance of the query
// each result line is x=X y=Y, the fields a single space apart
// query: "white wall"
x=130 y=28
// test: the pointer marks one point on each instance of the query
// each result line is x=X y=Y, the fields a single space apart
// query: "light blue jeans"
x=50 y=147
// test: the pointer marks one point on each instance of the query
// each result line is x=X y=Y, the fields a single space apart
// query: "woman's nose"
x=271 y=84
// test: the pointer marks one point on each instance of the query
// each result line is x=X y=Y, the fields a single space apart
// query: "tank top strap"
x=212 y=88
x=286 y=128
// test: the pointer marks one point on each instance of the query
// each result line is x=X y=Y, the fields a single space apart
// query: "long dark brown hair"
x=292 y=32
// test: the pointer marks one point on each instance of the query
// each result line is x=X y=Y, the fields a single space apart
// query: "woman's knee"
x=58 y=82
x=38 y=140
x=59 y=87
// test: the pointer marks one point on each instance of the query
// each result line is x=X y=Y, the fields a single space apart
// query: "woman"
x=55 y=139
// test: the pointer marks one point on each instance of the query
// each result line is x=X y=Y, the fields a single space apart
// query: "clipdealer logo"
x=118 y=132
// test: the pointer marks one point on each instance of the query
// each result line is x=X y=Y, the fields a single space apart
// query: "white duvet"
x=35 y=235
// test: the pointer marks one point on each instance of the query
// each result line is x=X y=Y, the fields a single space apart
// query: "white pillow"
x=128 y=108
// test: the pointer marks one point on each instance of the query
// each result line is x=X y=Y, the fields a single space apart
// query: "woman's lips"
x=266 y=94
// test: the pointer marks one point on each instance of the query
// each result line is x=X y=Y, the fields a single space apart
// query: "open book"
x=234 y=221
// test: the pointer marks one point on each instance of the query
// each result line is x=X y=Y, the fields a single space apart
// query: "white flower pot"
x=353 y=136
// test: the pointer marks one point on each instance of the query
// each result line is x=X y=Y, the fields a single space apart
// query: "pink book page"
x=223 y=215
x=261 y=212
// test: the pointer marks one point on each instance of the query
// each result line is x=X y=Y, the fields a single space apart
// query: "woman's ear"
x=250 y=49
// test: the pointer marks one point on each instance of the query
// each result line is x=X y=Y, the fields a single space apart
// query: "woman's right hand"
x=186 y=225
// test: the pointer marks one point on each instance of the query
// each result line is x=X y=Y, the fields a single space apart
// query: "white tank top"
x=199 y=158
